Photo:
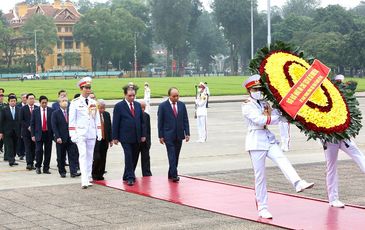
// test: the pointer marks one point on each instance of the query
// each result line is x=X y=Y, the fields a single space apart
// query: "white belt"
x=257 y=127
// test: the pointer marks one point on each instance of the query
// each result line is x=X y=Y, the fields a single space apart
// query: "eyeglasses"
x=87 y=87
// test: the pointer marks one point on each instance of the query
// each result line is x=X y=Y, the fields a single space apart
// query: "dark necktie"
x=132 y=109
x=174 y=109
x=65 y=114
x=87 y=101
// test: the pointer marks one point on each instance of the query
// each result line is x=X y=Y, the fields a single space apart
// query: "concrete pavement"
x=28 y=200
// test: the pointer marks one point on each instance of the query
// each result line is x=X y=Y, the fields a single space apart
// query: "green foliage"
x=83 y=6
x=46 y=33
x=207 y=40
x=234 y=17
x=300 y=7
x=174 y=22
x=72 y=58
x=110 y=33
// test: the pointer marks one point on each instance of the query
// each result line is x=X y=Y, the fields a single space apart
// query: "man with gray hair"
x=101 y=147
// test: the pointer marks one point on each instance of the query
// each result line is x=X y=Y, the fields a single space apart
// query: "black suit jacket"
x=126 y=128
x=107 y=126
x=36 y=123
x=60 y=125
x=7 y=123
x=170 y=127
x=25 y=117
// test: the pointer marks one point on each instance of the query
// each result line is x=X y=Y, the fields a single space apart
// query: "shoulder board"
x=76 y=99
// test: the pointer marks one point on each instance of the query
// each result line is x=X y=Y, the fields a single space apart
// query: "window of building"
x=59 y=29
x=59 y=44
x=69 y=42
x=78 y=45
x=59 y=59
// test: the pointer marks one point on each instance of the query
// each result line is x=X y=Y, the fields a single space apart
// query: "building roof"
x=65 y=13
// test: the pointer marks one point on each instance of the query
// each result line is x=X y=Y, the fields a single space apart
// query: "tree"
x=359 y=9
x=83 y=6
x=234 y=17
x=45 y=30
x=207 y=40
x=138 y=9
x=110 y=34
x=71 y=58
x=174 y=22
x=9 y=41
x=286 y=29
x=333 y=18
x=300 y=7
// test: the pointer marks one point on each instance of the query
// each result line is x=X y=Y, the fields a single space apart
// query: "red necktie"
x=65 y=114
x=31 y=109
x=132 y=109
x=174 y=109
x=44 y=124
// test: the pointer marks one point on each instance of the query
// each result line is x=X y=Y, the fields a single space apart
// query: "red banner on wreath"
x=304 y=88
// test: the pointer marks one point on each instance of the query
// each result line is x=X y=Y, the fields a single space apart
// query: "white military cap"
x=84 y=81
x=339 y=77
x=253 y=82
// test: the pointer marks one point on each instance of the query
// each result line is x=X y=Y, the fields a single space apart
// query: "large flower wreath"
x=330 y=114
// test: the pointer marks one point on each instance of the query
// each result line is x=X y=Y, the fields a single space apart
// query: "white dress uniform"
x=147 y=98
x=84 y=128
x=331 y=154
x=284 y=135
x=261 y=143
x=201 y=116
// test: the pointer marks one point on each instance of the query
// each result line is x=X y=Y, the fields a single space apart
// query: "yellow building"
x=65 y=16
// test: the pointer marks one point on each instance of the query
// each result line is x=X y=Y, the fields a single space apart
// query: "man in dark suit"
x=101 y=147
x=10 y=129
x=41 y=132
x=25 y=117
x=56 y=105
x=63 y=140
x=21 y=148
x=2 y=106
x=173 y=127
x=129 y=129
x=144 y=147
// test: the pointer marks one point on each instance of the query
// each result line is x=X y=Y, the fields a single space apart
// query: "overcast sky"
x=5 y=5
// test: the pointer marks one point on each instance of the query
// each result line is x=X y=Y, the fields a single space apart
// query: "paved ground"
x=32 y=201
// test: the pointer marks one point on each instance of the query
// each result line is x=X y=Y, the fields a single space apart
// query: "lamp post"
x=35 y=49
x=268 y=24
x=135 y=54
x=251 y=29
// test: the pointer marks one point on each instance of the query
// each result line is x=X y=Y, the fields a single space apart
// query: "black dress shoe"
x=130 y=182
x=176 y=179
x=63 y=175
x=46 y=172
x=98 y=178
x=12 y=164
x=33 y=167
x=21 y=158
x=75 y=175
x=38 y=170
x=84 y=187
x=29 y=167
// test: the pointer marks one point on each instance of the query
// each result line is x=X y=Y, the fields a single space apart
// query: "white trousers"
x=284 y=134
x=86 y=152
x=258 y=158
x=202 y=127
x=331 y=154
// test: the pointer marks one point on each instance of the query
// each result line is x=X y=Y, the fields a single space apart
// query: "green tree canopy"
x=44 y=28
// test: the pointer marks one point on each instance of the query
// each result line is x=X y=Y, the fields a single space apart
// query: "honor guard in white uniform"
x=261 y=143
x=201 y=113
x=331 y=154
x=147 y=97
x=84 y=128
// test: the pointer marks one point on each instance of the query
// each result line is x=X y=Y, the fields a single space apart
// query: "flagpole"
x=268 y=23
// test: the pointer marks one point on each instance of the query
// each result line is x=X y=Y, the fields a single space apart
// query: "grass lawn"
x=112 y=88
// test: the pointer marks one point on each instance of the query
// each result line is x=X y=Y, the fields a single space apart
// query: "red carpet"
x=289 y=211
